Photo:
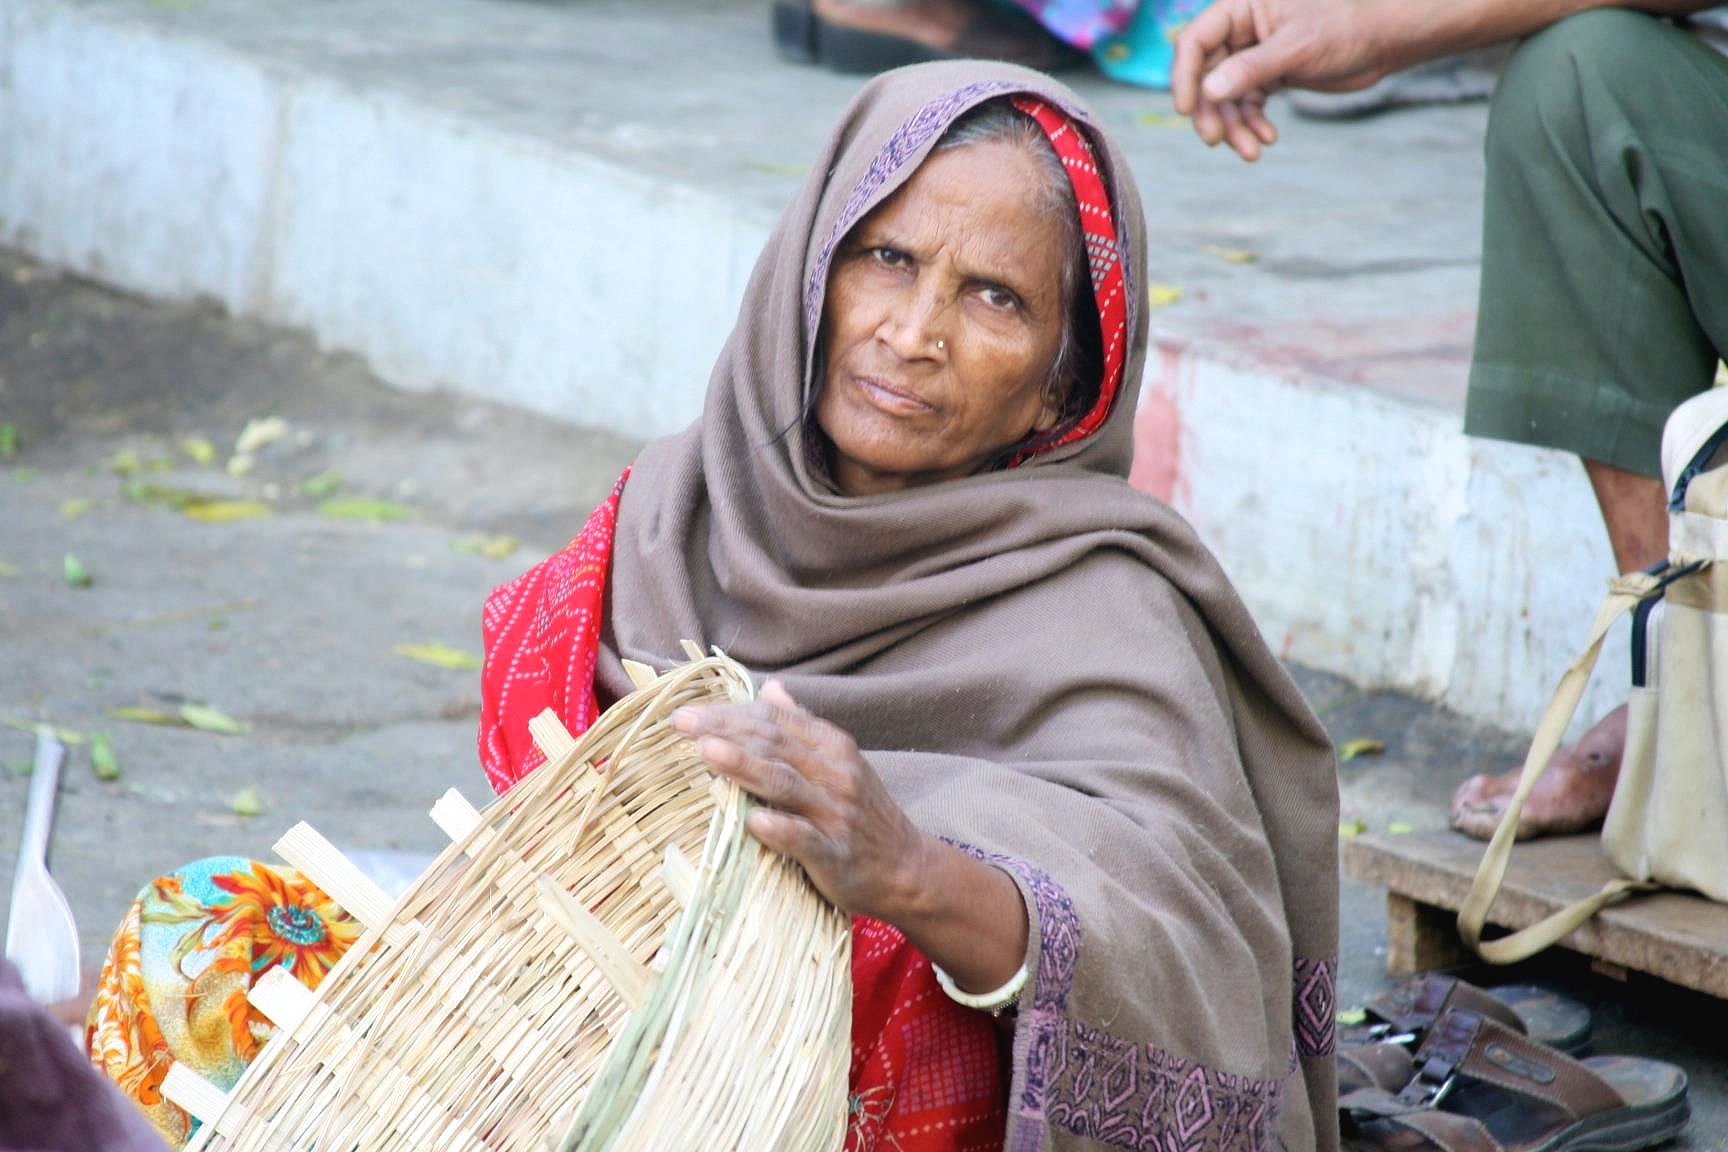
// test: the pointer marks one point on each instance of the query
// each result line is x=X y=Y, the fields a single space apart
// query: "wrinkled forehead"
x=857 y=188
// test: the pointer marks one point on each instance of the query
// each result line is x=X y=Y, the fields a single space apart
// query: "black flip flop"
x=995 y=33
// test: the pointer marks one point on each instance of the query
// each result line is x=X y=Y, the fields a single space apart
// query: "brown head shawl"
x=1045 y=666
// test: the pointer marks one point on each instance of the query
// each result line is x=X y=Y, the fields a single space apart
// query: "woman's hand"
x=825 y=807
x=821 y=802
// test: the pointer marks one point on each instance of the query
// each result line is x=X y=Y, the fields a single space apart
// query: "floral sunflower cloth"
x=174 y=985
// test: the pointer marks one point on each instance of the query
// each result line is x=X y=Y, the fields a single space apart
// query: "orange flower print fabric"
x=175 y=982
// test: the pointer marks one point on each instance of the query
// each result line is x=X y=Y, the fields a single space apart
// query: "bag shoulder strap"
x=1624 y=593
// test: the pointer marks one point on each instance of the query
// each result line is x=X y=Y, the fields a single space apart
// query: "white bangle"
x=995 y=1003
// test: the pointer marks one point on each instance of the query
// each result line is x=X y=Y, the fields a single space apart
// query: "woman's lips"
x=891 y=399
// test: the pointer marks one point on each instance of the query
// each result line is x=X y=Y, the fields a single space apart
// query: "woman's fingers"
x=770 y=780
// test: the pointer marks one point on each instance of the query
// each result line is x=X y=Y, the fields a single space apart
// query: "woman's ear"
x=1051 y=410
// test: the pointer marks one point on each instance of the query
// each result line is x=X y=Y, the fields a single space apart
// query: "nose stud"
x=941 y=345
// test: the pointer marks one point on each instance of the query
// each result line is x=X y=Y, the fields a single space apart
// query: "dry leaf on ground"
x=1231 y=255
x=438 y=655
x=1351 y=749
x=223 y=511
x=259 y=433
x=71 y=737
x=491 y=547
x=1163 y=295
x=199 y=450
x=359 y=508
x=146 y=716
x=207 y=719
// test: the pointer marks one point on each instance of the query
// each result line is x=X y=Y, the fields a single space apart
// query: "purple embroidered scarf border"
x=1130 y=1095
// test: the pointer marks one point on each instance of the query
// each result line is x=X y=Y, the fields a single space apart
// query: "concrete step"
x=557 y=206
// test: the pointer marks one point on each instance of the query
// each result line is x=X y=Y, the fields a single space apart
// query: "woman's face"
x=943 y=317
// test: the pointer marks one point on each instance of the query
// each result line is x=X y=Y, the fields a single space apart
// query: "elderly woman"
x=1016 y=720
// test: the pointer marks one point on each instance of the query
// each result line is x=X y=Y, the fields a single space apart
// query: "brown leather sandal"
x=1404 y=1013
x=1376 y=1052
x=1480 y=1086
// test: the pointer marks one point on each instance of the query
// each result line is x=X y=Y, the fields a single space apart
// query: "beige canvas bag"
x=1668 y=823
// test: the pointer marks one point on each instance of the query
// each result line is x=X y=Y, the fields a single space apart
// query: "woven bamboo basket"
x=602 y=960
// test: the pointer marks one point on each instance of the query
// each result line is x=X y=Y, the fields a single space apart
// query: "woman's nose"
x=915 y=328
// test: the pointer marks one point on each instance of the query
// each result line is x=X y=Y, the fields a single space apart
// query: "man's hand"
x=1236 y=52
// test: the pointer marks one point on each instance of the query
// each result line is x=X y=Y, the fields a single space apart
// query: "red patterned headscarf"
x=1103 y=257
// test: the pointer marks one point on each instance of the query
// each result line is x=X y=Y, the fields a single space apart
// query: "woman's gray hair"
x=998 y=121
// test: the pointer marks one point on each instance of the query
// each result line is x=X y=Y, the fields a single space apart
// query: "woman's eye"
x=889 y=257
x=999 y=297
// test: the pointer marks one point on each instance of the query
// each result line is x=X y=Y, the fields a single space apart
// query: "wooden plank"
x=1678 y=937
x=1420 y=937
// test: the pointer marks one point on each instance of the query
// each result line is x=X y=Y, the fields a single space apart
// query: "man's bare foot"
x=935 y=23
x=938 y=29
x=1572 y=795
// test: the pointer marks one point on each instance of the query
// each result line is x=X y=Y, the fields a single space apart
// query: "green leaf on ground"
x=224 y=511
x=1162 y=120
x=1352 y=749
x=146 y=716
x=1349 y=828
x=210 y=720
x=8 y=441
x=199 y=450
x=322 y=486
x=247 y=802
x=73 y=508
x=438 y=655
x=359 y=508
x=1399 y=828
x=7 y=570
x=102 y=758
x=19 y=767
x=23 y=475
x=76 y=574
x=70 y=737
x=491 y=547
x=1352 y=1016
x=776 y=169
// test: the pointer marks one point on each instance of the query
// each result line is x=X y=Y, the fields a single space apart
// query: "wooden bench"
x=1677 y=937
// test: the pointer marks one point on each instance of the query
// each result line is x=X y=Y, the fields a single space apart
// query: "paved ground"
x=290 y=623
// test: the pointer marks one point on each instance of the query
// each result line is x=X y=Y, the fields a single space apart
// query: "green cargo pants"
x=1605 y=238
